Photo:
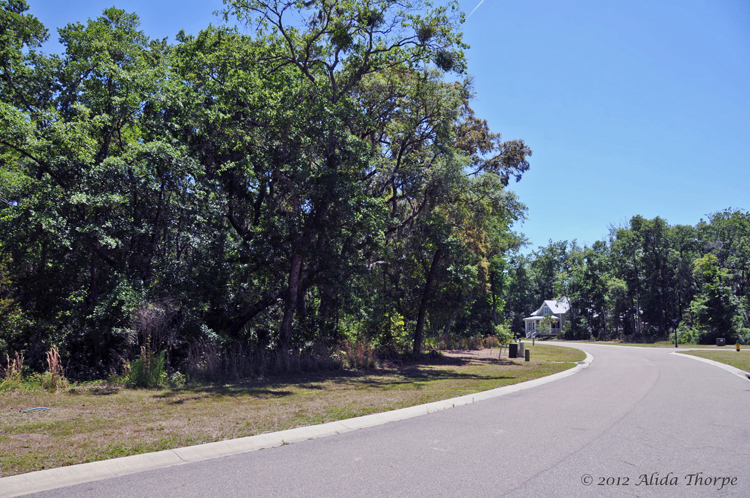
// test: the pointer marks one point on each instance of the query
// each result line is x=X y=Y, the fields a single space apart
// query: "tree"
x=326 y=157
x=284 y=189
x=95 y=188
x=715 y=308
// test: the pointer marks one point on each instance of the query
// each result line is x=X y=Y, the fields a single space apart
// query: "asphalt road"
x=637 y=422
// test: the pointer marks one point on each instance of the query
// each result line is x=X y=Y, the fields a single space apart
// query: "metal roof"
x=557 y=307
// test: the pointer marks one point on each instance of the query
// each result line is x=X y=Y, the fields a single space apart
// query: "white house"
x=556 y=310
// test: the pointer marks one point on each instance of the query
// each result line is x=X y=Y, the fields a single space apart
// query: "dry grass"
x=54 y=379
x=86 y=424
x=13 y=368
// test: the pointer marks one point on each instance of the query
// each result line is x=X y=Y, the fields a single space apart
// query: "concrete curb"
x=44 y=480
x=736 y=371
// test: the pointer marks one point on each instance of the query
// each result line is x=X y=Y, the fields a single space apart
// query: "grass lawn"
x=731 y=357
x=89 y=423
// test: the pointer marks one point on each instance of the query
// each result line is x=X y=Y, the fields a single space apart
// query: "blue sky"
x=638 y=107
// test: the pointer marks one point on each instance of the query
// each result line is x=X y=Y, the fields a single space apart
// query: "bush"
x=474 y=342
x=491 y=341
x=503 y=334
x=686 y=334
x=149 y=370
x=393 y=335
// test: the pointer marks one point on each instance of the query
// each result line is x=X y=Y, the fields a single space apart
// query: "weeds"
x=54 y=378
x=204 y=361
x=13 y=375
x=149 y=370
x=361 y=355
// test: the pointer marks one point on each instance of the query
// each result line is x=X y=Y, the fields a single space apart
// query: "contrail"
x=475 y=9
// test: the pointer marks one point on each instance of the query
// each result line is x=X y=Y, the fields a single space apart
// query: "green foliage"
x=503 y=334
x=686 y=334
x=715 y=309
x=277 y=192
x=238 y=200
x=545 y=325
x=645 y=280
x=148 y=370
x=392 y=334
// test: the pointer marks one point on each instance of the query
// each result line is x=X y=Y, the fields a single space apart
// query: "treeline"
x=643 y=283
x=247 y=196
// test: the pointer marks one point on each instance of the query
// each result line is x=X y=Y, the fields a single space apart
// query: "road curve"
x=637 y=422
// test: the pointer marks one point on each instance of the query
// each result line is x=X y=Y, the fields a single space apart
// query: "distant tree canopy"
x=647 y=280
x=318 y=180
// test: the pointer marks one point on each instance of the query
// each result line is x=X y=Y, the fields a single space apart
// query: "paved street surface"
x=637 y=422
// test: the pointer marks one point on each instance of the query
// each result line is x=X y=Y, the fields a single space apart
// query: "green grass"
x=731 y=357
x=96 y=422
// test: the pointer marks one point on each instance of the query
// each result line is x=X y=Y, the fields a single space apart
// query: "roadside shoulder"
x=733 y=370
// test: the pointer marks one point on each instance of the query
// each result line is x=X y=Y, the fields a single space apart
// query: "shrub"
x=474 y=342
x=391 y=334
x=149 y=370
x=431 y=343
x=491 y=341
x=686 y=334
x=504 y=335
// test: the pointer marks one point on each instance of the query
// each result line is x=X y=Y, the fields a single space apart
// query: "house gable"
x=556 y=309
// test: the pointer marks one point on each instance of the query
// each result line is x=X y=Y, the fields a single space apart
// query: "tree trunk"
x=417 y=349
x=290 y=304
x=267 y=300
x=495 y=319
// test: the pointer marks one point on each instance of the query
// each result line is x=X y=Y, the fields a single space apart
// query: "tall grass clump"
x=204 y=361
x=148 y=370
x=54 y=378
x=358 y=356
x=13 y=373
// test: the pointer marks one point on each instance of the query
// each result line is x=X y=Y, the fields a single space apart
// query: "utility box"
x=520 y=349
x=513 y=350
x=720 y=341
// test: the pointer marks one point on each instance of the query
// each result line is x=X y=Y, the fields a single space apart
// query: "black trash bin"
x=513 y=350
